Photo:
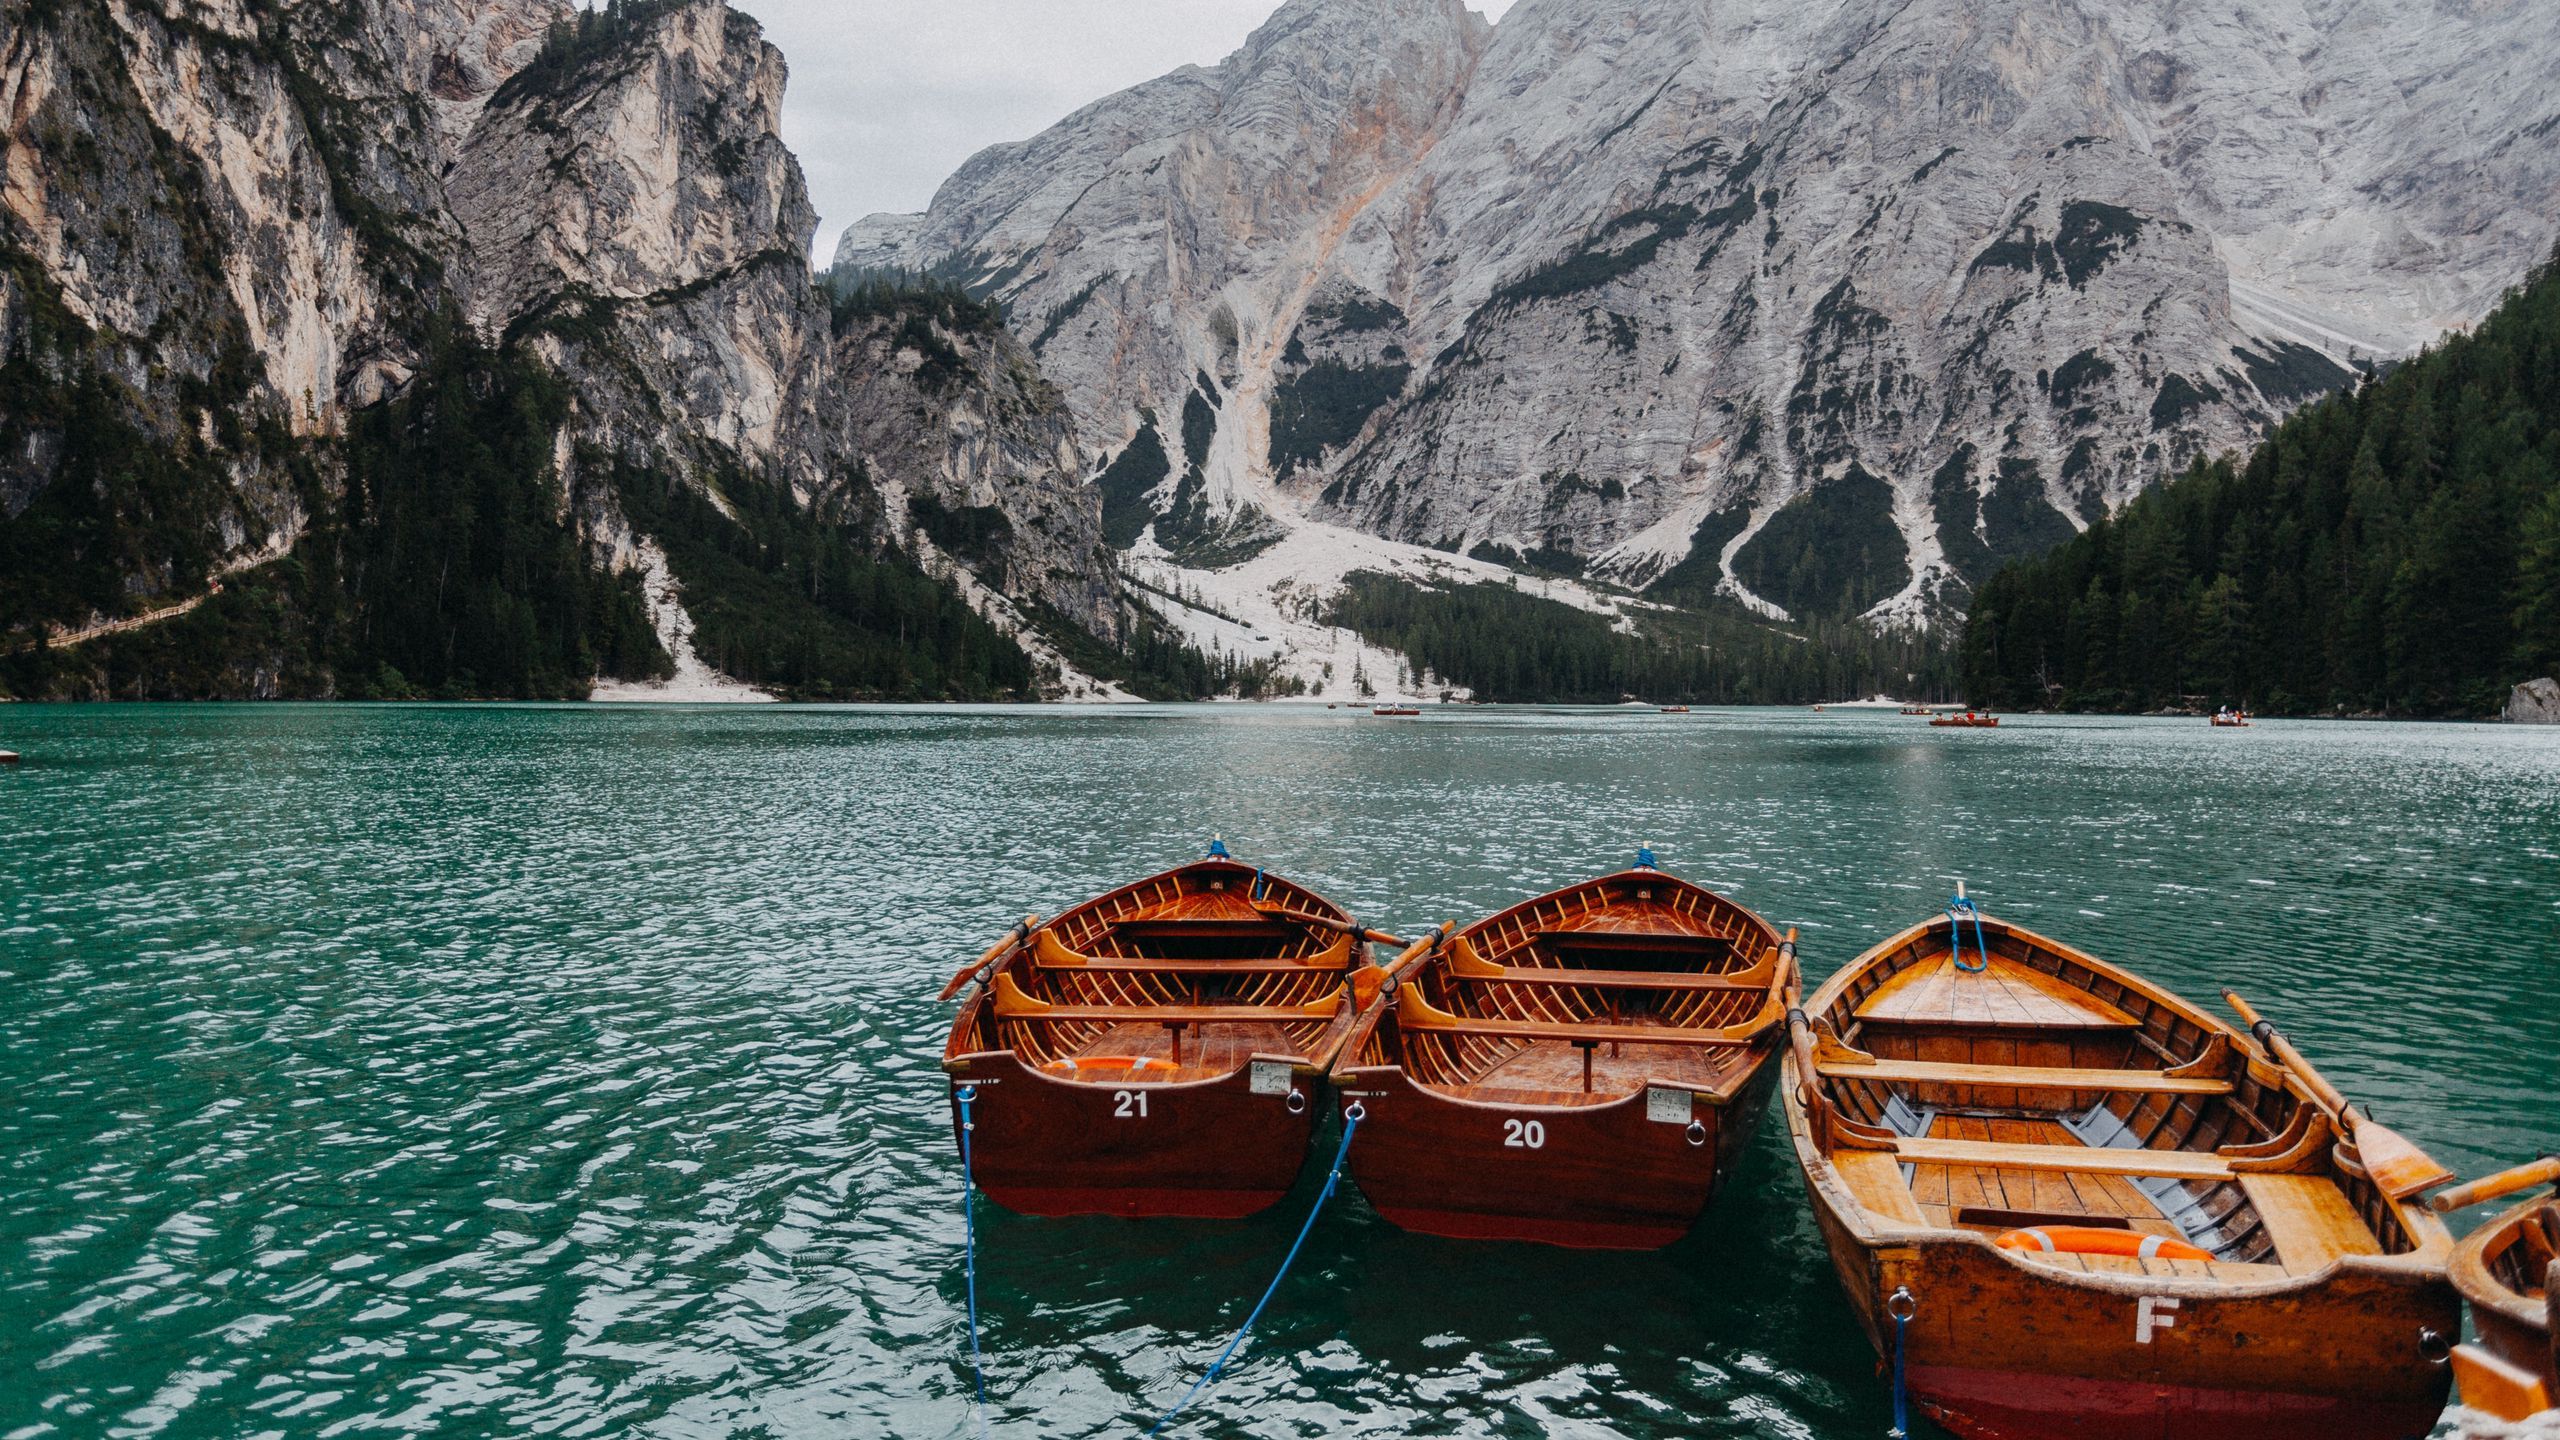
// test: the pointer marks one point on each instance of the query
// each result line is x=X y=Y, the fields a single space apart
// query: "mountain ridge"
x=1664 y=275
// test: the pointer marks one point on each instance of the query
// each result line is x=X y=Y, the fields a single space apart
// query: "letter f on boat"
x=2153 y=1312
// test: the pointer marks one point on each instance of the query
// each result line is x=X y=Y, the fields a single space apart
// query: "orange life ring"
x=1134 y=1064
x=2090 y=1240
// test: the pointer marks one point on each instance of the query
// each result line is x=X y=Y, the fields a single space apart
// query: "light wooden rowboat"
x=1937 y=1108
x=2509 y=1269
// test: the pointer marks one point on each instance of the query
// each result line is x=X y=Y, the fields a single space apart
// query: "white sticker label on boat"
x=1270 y=1077
x=1671 y=1107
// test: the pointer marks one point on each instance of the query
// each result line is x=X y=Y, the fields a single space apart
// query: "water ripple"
x=549 y=1070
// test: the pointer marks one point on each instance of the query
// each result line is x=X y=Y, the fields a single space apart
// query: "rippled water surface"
x=480 y=1071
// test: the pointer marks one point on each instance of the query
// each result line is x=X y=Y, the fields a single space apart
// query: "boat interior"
x=2525 y=1259
x=1180 y=978
x=1589 y=995
x=2037 y=1091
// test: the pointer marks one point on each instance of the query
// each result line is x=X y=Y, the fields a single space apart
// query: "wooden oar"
x=2545 y=1171
x=995 y=952
x=1327 y=922
x=1419 y=949
x=2396 y=1164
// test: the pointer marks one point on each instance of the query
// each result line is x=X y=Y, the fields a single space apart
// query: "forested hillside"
x=1514 y=647
x=2394 y=550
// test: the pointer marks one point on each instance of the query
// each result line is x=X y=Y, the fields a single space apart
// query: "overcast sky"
x=889 y=96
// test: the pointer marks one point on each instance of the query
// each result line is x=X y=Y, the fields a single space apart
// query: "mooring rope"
x=1957 y=909
x=1351 y=1119
x=969 y=1220
x=1901 y=1307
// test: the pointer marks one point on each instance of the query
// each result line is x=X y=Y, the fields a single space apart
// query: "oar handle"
x=1414 y=953
x=995 y=952
x=2329 y=1096
x=1327 y=922
x=2545 y=1171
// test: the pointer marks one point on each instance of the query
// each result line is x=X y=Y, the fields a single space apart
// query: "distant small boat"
x=1675 y=709
x=1817 y=709
x=1918 y=710
x=8 y=757
x=1394 y=710
x=2239 y=721
x=1967 y=721
x=2509 y=1269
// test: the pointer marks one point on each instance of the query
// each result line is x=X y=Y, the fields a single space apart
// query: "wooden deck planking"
x=2003 y=996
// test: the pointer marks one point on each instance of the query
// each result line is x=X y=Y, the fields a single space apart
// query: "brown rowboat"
x=1160 y=1050
x=2013 y=1156
x=2509 y=1269
x=1582 y=1069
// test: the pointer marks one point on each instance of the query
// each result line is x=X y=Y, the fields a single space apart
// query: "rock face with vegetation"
x=975 y=449
x=2394 y=550
x=1827 y=306
x=387 y=347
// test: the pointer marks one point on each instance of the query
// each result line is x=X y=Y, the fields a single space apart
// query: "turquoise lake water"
x=469 y=1071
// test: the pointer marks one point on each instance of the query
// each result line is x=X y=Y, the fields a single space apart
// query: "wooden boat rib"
x=1935 y=1110
x=2509 y=1269
x=1581 y=1069
x=1159 y=1050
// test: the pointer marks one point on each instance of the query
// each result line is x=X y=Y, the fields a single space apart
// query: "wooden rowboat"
x=2509 y=1269
x=1967 y=721
x=2098 y=1213
x=1582 y=1069
x=1160 y=1050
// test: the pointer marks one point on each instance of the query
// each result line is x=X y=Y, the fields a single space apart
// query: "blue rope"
x=1350 y=1122
x=1901 y=1397
x=969 y=1218
x=1957 y=910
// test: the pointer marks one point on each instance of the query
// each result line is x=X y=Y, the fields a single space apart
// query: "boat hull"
x=1210 y=1150
x=1601 y=1177
x=2006 y=1349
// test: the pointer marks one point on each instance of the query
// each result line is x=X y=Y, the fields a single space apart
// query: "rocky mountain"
x=475 y=344
x=1826 y=306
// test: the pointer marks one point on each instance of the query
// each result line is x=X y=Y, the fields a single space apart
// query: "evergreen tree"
x=2395 y=549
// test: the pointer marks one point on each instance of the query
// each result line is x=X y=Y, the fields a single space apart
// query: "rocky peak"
x=1690 y=292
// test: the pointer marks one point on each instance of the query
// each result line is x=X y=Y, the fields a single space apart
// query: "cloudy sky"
x=889 y=96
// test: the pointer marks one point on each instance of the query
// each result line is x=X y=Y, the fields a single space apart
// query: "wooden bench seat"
x=1050 y=953
x=2026 y=1077
x=2309 y=1219
x=1212 y=928
x=1467 y=965
x=1419 y=1016
x=1639 y=942
x=2073 y=1159
x=1012 y=1004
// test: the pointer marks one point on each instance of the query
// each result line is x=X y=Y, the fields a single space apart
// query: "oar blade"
x=2399 y=1167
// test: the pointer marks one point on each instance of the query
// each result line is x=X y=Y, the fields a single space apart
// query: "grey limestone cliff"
x=1755 y=285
